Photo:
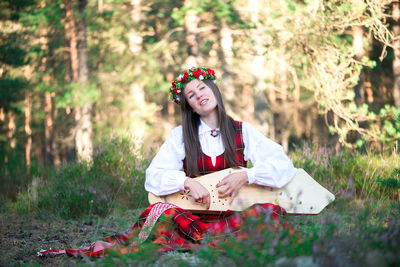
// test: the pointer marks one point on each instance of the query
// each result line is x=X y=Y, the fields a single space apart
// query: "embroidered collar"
x=205 y=129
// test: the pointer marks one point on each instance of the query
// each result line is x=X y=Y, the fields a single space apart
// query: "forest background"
x=75 y=72
x=87 y=81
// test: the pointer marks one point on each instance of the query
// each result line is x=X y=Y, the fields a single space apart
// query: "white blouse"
x=271 y=166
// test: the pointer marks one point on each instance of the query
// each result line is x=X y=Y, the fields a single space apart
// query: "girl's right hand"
x=198 y=191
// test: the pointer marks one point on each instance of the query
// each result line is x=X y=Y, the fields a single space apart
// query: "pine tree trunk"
x=135 y=38
x=136 y=95
x=296 y=105
x=191 y=28
x=226 y=46
x=248 y=103
x=170 y=105
x=263 y=110
x=284 y=114
x=28 y=130
x=48 y=105
x=10 y=134
x=70 y=32
x=11 y=130
x=83 y=115
x=2 y=114
x=49 y=127
x=71 y=69
x=396 y=52
x=100 y=6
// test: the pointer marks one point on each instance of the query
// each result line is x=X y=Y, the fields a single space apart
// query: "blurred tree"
x=83 y=110
x=192 y=20
x=45 y=80
x=75 y=71
x=396 y=51
x=309 y=51
x=12 y=81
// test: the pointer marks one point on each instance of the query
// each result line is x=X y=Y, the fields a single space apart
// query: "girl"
x=207 y=141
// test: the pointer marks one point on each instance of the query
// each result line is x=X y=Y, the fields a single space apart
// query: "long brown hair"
x=190 y=128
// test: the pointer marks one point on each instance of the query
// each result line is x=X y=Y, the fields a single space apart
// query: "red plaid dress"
x=176 y=228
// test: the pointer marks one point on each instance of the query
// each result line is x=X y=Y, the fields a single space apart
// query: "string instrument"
x=302 y=195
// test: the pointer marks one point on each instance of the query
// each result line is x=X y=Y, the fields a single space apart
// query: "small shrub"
x=115 y=177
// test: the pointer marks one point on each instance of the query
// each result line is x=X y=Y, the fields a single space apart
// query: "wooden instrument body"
x=302 y=195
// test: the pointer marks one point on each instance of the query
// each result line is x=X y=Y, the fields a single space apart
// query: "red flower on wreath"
x=211 y=72
x=197 y=73
x=185 y=76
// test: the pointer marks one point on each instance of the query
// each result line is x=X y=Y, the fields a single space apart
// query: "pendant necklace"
x=214 y=132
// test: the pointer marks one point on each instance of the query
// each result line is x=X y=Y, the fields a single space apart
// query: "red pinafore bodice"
x=204 y=162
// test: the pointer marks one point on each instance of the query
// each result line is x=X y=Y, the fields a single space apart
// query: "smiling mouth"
x=203 y=102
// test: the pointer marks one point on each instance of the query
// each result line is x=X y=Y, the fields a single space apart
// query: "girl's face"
x=200 y=97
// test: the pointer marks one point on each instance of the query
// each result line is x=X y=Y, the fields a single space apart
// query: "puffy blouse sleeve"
x=271 y=166
x=164 y=175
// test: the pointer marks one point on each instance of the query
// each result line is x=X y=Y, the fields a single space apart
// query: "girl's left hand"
x=231 y=185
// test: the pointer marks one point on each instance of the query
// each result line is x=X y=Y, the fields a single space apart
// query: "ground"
x=23 y=236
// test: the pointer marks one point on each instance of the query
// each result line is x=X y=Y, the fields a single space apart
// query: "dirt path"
x=23 y=236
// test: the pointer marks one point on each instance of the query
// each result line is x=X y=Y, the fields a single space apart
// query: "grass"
x=114 y=180
x=361 y=228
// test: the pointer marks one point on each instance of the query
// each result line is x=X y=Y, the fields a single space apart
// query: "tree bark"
x=49 y=127
x=170 y=105
x=100 y=6
x=70 y=32
x=396 y=52
x=11 y=129
x=135 y=38
x=283 y=116
x=248 y=102
x=28 y=130
x=48 y=105
x=83 y=114
x=137 y=97
x=191 y=27
x=226 y=46
x=262 y=107
x=2 y=114
x=296 y=105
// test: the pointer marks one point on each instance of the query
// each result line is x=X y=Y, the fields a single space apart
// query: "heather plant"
x=362 y=175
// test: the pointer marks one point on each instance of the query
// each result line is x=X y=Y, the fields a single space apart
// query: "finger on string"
x=197 y=198
x=232 y=197
x=226 y=194
x=207 y=202
x=222 y=192
x=221 y=183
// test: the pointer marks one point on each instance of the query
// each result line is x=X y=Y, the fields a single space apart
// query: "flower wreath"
x=180 y=82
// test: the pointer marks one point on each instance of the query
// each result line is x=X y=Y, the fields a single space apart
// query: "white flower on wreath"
x=201 y=77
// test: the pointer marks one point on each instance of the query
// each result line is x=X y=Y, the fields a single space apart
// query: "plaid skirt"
x=173 y=228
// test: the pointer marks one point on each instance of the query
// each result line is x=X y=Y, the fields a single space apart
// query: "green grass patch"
x=113 y=180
